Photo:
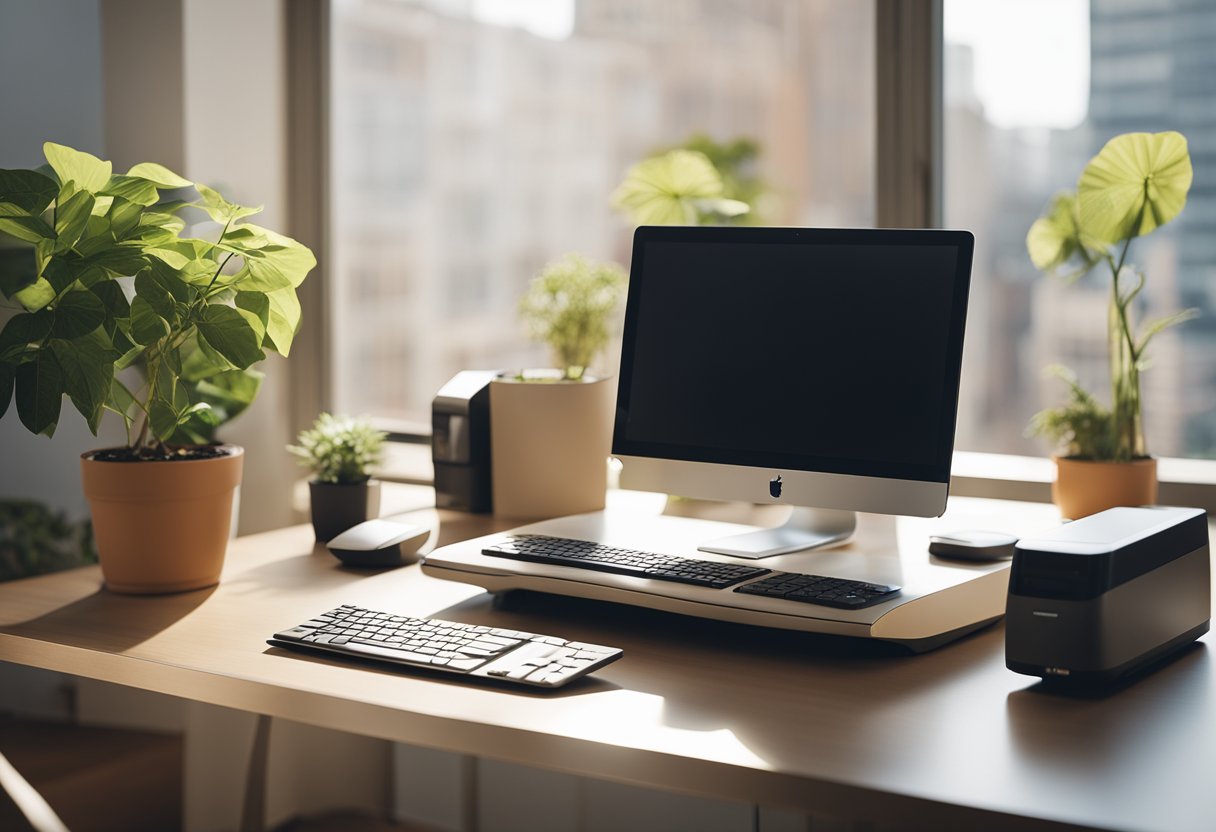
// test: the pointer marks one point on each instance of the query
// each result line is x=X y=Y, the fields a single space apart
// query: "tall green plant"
x=1137 y=183
x=115 y=285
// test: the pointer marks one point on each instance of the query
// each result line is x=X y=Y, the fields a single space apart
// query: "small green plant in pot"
x=551 y=429
x=1137 y=183
x=114 y=285
x=341 y=452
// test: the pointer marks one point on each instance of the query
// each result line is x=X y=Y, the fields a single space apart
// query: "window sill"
x=1183 y=482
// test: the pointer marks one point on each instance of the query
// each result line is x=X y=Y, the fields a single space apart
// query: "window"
x=473 y=142
x=1031 y=90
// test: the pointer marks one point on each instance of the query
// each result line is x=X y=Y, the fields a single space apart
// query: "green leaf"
x=663 y=190
x=281 y=263
x=112 y=298
x=1136 y=183
x=18 y=222
x=122 y=402
x=231 y=334
x=6 y=387
x=146 y=326
x=87 y=366
x=132 y=188
x=122 y=260
x=201 y=361
x=127 y=358
x=124 y=218
x=159 y=175
x=220 y=209
x=77 y=313
x=85 y=169
x=37 y=295
x=257 y=303
x=283 y=321
x=18 y=269
x=162 y=419
x=68 y=267
x=28 y=190
x=1054 y=238
x=71 y=217
x=153 y=289
x=22 y=330
x=40 y=393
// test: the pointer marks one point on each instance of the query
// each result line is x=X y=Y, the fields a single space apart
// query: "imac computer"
x=809 y=367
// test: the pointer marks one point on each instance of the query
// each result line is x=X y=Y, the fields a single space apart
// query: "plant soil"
x=166 y=453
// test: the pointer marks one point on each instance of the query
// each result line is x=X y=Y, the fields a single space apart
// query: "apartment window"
x=499 y=130
x=1031 y=90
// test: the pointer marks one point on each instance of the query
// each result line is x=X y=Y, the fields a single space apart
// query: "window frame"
x=908 y=194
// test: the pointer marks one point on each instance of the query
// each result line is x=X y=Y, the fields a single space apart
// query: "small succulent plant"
x=340 y=449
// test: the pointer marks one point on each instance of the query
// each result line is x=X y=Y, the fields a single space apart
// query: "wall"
x=50 y=89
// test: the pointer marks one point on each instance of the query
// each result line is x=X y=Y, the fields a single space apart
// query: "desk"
x=948 y=739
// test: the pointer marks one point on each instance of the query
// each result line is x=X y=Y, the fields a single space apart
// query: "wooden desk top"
x=948 y=739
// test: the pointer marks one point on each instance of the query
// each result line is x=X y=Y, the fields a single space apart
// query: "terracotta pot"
x=549 y=445
x=1084 y=487
x=337 y=507
x=162 y=526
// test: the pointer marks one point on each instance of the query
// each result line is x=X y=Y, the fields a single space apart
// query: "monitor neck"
x=806 y=528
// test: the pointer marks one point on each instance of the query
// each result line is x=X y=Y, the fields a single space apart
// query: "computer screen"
x=824 y=351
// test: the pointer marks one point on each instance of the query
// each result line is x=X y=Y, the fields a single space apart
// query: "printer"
x=1107 y=595
x=460 y=442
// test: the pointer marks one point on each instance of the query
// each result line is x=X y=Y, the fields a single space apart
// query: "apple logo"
x=774 y=487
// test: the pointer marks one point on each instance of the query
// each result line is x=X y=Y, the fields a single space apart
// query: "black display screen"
x=802 y=349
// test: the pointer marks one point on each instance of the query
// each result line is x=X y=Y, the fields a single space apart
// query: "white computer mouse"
x=973 y=545
x=379 y=543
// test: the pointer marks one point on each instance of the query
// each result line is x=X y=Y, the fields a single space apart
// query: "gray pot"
x=338 y=507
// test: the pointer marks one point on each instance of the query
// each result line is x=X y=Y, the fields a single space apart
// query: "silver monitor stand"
x=806 y=528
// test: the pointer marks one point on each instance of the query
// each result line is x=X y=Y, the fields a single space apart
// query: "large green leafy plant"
x=1137 y=183
x=116 y=285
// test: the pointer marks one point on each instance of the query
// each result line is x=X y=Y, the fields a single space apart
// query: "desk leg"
x=253 y=815
x=470 y=794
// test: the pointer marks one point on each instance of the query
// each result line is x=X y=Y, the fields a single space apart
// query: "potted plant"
x=340 y=451
x=1137 y=183
x=115 y=285
x=551 y=430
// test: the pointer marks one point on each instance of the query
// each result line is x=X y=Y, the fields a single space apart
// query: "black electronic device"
x=460 y=442
x=1107 y=595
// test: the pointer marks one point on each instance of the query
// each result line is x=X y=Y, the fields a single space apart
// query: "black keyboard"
x=584 y=554
x=449 y=646
x=842 y=593
x=817 y=589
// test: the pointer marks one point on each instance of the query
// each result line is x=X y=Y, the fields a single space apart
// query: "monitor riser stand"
x=938 y=603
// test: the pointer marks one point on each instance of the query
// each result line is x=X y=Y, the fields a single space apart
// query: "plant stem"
x=1124 y=364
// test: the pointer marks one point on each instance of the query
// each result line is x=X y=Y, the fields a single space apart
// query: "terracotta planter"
x=337 y=507
x=549 y=443
x=1084 y=487
x=162 y=526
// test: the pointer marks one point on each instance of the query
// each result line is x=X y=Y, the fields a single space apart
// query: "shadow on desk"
x=110 y=622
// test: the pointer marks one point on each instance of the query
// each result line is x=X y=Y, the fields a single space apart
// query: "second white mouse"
x=379 y=543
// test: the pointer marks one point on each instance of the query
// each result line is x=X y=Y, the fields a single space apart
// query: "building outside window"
x=473 y=142
x=1031 y=90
